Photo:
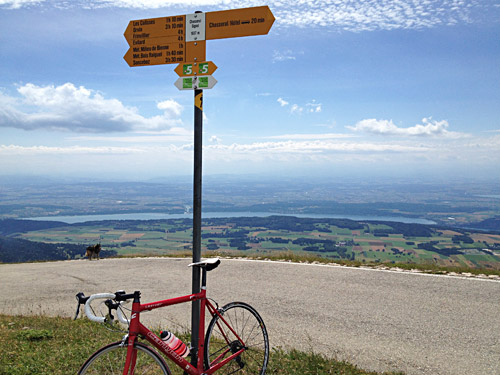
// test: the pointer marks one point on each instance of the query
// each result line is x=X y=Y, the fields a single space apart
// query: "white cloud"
x=174 y=135
x=215 y=140
x=16 y=4
x=283 y=102
x=171 y=108
x=72 y=150
x=313 y=151
x=296 y=109
x=362 y=15
x=78 y=109
x=314 y=107
x=314 y=146
x=154 y=4
x=321 y=136
x=352 y=15
x=294 y=144
x=429 y=128
x=300 y=152
x=279 y=56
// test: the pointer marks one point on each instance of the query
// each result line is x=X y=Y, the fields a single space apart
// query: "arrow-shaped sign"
x=195 y=83
x=155 y=54
x=139 y=30
x=202 y=26
x=238 y=22
x=196 y=68
x=179 y=39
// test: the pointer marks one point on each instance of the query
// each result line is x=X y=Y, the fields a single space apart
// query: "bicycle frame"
x=136 y=329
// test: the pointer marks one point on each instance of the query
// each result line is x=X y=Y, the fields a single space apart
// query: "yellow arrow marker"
x=198 y=101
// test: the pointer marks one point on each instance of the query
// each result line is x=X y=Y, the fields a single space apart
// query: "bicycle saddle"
x=208 y=264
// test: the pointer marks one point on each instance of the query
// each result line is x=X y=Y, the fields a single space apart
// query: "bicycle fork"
x=131 y=339
x=131 y=358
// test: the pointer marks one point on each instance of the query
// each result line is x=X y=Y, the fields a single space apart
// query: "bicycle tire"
x=249 y=326
x=110 y=359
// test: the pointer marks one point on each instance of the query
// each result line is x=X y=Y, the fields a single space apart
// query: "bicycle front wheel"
x=221 y=342
x=110 y=360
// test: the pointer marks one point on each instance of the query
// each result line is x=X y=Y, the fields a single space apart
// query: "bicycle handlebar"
x=106 y=296
x=88 y=310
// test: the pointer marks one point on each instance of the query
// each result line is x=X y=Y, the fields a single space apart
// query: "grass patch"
x=58 y=346
x=435 y=269
x=35 y=334
x=43 y=346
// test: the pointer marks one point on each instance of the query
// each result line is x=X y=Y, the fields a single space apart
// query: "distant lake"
x=210 y=215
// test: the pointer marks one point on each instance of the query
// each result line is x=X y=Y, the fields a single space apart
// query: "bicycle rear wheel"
x=110 y=360
x=220 y=342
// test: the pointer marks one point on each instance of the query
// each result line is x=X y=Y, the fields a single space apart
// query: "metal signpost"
x=182 y=40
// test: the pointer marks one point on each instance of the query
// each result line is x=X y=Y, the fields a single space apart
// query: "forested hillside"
x=11 y=226
x=13 y=250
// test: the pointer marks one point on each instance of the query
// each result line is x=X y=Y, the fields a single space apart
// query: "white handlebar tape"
x=88 y=310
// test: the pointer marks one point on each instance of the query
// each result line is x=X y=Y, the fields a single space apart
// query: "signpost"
x=182 y=40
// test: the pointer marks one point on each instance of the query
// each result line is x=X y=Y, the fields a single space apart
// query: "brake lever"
x=77 y=311
x=80 y=297
x=111 y=306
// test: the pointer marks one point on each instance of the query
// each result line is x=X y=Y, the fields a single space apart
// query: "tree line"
x=15 y=250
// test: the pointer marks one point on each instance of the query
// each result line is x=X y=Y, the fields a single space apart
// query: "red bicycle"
x=236 y=339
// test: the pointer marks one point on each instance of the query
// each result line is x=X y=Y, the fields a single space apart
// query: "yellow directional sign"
x=238 y=22
x=195 y=68
x=155 y=54
x=196 y=51
x=138 y=31
x=137 y=42
x=182 y=39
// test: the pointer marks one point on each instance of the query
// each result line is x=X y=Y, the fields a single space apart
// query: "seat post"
x=204 y=278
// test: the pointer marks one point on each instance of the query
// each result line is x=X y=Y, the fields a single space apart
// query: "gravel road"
x=378 y=320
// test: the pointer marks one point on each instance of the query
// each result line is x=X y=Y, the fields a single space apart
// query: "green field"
x=363 y=242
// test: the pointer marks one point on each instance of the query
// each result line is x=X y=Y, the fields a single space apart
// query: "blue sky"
x=401 y=88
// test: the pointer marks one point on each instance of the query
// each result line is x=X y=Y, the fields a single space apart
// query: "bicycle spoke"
x=247 y=333
x=110 y=360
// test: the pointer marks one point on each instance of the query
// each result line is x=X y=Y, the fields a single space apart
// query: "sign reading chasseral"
x=238 y=22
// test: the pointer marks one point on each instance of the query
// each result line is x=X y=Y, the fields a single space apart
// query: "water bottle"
x=174 y=343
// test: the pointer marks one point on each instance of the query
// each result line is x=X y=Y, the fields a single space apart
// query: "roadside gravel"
x=377 y=319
